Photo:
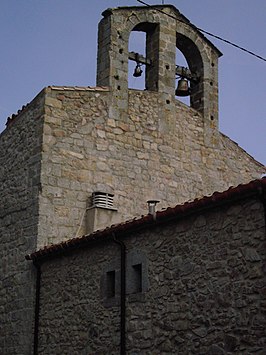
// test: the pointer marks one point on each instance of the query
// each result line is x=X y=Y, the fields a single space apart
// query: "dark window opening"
x=137 y=278
x=110 y=284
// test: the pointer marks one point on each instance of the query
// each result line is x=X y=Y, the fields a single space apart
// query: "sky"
x=54 y=42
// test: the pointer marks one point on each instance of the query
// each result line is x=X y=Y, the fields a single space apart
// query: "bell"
x=182 y=88
x=137 y=72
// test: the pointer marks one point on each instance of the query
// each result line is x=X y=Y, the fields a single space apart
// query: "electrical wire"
x=208 y=33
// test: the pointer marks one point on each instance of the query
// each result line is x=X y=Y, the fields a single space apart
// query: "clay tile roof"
x=253 y=188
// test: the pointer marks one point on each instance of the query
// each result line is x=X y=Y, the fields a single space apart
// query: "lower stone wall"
x=73 y=318
x=207 y=286
x=203 y=290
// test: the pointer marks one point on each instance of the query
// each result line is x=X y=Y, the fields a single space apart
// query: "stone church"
x=77 y=160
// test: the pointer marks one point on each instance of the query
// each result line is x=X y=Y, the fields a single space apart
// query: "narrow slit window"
x=110 y=284
x=137 y=278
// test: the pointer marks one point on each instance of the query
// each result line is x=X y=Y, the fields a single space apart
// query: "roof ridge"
x=79 y=88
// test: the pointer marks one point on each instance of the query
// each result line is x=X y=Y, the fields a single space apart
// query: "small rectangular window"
x=137 y=278
x=110 y=284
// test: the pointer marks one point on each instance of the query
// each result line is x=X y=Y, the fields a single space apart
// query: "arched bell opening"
x=182 y=90
x=143 y=56
x=136 y=69
x=190 y=72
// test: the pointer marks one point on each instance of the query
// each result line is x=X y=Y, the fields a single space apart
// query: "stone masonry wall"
x=206 y=290
x=156 y=152
x=69 y=143
x=207 y=285
x=78 y=323
x=20 y=156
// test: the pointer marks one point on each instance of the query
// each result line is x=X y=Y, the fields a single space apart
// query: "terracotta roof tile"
x=253 y=188
x=15 y=115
